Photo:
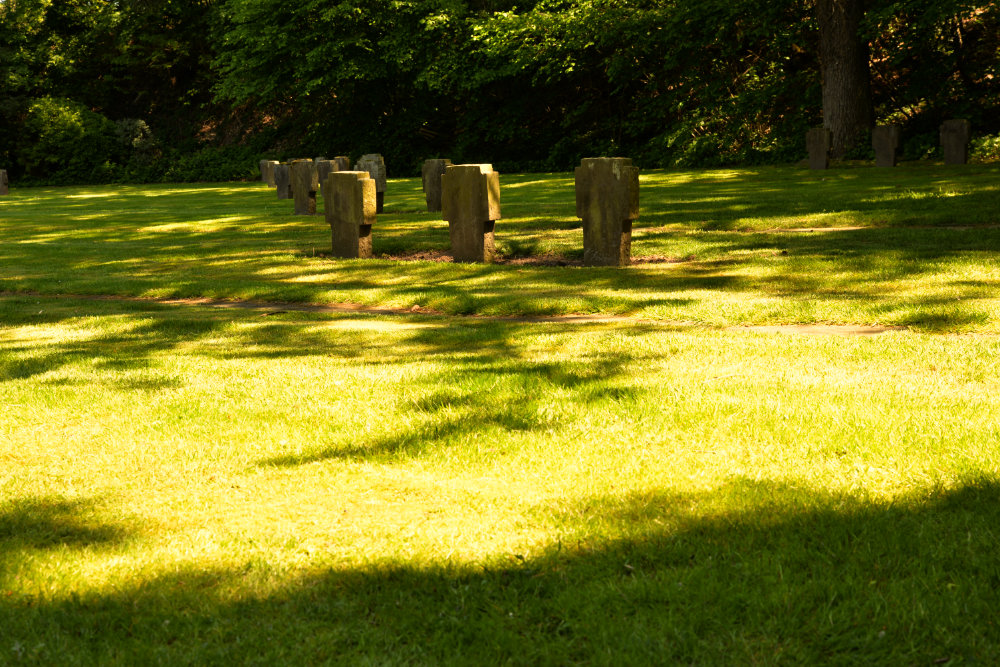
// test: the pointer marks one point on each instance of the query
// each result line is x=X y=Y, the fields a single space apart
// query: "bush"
x=63 y=141
x=985 y=149
x=212 y=164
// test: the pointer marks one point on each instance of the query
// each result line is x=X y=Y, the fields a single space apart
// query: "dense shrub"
x=211 y=164
x=62 y=141
x=65 y=143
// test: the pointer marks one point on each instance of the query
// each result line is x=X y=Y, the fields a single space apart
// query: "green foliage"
x=528 y=86
x=985 y=148
x=212 y=164
x=932 y=60
x=64 y=142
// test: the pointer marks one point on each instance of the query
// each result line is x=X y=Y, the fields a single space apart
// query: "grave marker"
x=955 y=141
x=818 y=141
x=323 y=169
x=350 y=210
x=432 y=172
x=304 y=186
x=4 y=183
x=283 y=180
x=375 y=166
x=885 y=141
x=607 y=200
x=271 y=164
x=470 y=202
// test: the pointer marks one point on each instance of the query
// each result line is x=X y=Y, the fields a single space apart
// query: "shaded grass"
x=918 y=251
x=189 y=485
x=751 y=586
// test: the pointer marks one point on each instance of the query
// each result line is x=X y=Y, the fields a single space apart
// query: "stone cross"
x=432 y=172
x=4 y=183
x=955 y=141
x=375 y=166
x=818 y=141
x=470 y=202
x=304 y=186
x=607 y=200
x=283 y=180
x=350 y=210
x=885 y=141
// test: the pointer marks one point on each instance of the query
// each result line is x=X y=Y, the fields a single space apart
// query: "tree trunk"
x=843 y=58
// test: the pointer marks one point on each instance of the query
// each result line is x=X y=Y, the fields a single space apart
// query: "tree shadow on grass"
x=40 y=523
x=32 y=526
x=490 y=385
x=753 y=572
x=126 y=350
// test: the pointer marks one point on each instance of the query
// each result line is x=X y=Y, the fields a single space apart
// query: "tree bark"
x=846 y=79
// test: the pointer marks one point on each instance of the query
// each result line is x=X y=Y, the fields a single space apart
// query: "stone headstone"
x=343 y=163
x=433 y=170
x=304 y=186
x=818 y=141
x=470 y=202
x=955 y=141
x=375 y=166
x=283 y=180
x=263 y=170
x=885 y=141
x=4 y=183
x=607 y=200
x=323 y=169
x=350 y=210
x=268 y=175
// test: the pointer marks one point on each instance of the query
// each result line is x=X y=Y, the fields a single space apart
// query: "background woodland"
x=95 y=91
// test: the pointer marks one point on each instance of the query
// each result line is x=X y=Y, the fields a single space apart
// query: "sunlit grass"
x=483 y=483
x=185 y=484
x=910 y=246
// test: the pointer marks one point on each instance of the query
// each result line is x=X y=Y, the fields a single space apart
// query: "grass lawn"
x=913 y=246
x=185 y=484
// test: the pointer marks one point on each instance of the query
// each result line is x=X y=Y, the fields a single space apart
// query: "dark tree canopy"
x=198 y=89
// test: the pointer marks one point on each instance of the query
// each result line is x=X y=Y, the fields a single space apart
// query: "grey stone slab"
x=271 y=164
x=432 y=172
x=4 y=183
x=607 y=200
x=343 y=163
x=818 y=142
x=470 y=203
x=885 y=141
x=323 y=169
x=283 y=180
x=955 y=141
x=350 y=211
x=375 y=166
x=304 y=186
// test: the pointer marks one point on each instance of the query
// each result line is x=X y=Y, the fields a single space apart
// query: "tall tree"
x=844 y=67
